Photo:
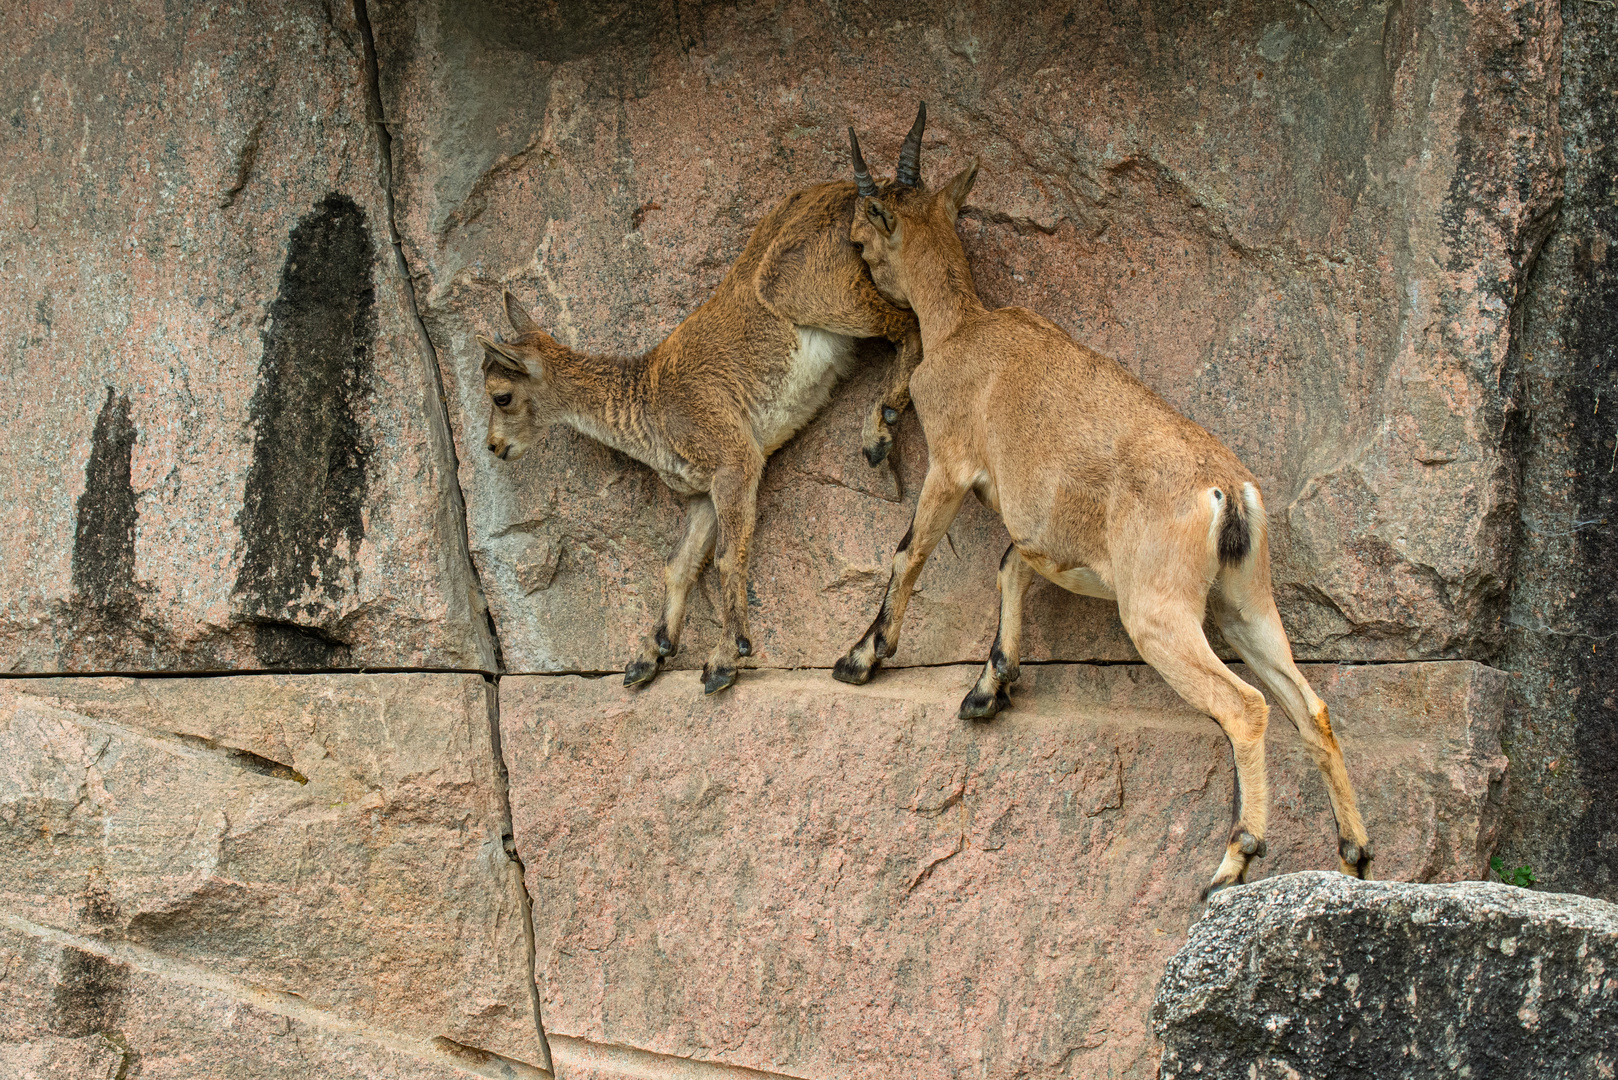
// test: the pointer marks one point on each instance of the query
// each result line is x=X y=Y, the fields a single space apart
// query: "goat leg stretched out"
x=1106 y=490
x=734 y=381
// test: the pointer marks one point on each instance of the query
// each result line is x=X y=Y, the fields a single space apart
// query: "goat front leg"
x=735 y=502
x=690 y=555
x=989 y=695
x=937 y=506
x=876 y=440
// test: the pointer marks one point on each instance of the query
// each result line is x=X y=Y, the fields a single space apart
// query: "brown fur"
x=706 y=407
x=1105 y=489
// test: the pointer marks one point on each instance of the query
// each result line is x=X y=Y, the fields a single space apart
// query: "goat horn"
x=910 y=153
x=861 y=176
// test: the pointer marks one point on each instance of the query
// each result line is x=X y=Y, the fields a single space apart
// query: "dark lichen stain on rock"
x=303 y=515
x=90 y=995
x=1592 y=343
x=104 y=532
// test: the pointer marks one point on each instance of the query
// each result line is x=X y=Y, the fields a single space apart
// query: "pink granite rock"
x=819 y=880
x=223 y=440
x=337 y=839
x=84 y=1009
x=1305 y=225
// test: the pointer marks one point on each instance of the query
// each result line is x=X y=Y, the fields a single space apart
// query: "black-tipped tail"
x=1235 y=534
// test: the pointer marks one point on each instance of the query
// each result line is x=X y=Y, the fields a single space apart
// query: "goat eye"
x=502 y=400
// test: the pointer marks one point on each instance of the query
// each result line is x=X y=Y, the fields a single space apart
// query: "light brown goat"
x=732 y=383
x=1106 y=490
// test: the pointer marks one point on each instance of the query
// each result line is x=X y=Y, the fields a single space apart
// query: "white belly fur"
x=820 y=359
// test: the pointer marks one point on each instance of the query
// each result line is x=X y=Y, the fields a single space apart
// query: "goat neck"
x=942 y=293
x=605 y=399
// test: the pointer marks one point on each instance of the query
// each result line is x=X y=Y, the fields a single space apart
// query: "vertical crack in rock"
x=508 y=834
x=303 y=516
x=488 y=643
x=103 y=565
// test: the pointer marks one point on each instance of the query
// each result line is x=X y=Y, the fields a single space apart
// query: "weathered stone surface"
x=1563 y=728
x=224 y=444
x=822 y=880
x=336 y=838
x=1305 y=225
x=86 y=1009
x=1319 y=975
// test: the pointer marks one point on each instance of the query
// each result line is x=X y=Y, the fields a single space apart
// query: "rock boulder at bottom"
x=1318 y=975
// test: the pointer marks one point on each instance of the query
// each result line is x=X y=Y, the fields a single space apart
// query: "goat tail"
x=1239 y=521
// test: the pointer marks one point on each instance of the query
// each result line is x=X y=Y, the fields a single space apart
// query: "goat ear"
x=880 y=216
x=507 y=356
x=520 y=320
x=960 y=186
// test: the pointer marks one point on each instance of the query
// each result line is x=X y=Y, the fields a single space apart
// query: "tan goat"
x=732 y=383
x=1105 y=489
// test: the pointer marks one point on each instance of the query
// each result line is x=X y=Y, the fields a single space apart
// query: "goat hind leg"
x=989 y=696
x=1171 y=640
x=936 y=507
x=690 y=555
x=1254 y=630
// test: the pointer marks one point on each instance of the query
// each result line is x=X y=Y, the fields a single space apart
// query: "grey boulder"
x=1320 y=975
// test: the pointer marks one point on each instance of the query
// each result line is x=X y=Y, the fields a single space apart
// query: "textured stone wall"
x=243 y=254
x=1563 y=730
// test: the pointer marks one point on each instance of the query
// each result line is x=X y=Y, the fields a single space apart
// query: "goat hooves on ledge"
x=640 y=673
x=852 y=672
x=980 y=706
x=717 y=679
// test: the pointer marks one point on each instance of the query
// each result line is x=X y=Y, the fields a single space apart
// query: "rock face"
x=1305 y=226
x=256 y=856
x=833 y=881
x=223 y=432
x=1564 y=618
x=1319 y=975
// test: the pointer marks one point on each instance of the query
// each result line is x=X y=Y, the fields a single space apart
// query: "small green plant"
x=1522 y=877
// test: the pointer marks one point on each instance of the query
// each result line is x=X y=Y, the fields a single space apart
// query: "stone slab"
x=817 y=880
x=85 y=1009
x=1320 y=975
x=224 y=442
x=1307 y=226
x=338 y=838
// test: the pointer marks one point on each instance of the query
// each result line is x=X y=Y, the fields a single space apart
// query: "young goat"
x=732 y=383
x=1105 y=489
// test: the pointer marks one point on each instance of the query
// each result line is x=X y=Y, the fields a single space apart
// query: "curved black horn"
x=861 y=176
x=910 y=153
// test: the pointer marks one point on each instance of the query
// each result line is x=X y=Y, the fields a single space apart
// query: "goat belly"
x=812 y=370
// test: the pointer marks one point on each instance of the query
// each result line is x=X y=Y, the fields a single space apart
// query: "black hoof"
x=718 y=679
x=1355 y=855
x=889 y=414
x=876 y=455
x=665 y=647
x=852 y=672
x=979 y=706
x=743 y=646
x=640 y=673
